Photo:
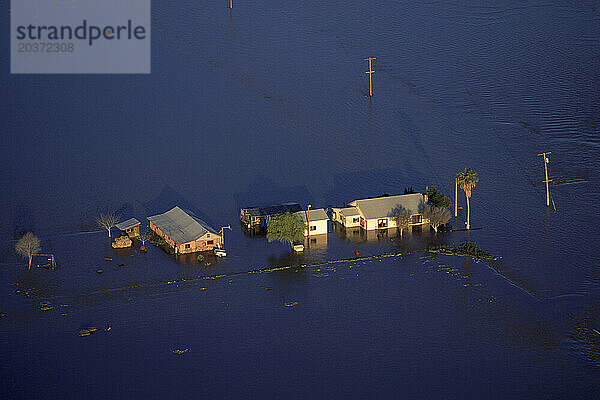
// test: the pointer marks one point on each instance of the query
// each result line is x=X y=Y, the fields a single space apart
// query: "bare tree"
x=107 y=221
x=436 y=215
x=144 y=237
x=27 y=246
x=401 y=216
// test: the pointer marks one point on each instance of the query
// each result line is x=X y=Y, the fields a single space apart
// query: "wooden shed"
x=131 y=227
x=256 y=217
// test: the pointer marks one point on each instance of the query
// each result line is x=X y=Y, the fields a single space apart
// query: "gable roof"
x=131 y=222
x=180 y=226
x=349 y=211
x=381 y=207
x=318 y=214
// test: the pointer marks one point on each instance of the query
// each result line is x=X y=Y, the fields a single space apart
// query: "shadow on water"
x=169 y=198
x=264 y=192
x=349 y=186
x=36 y=283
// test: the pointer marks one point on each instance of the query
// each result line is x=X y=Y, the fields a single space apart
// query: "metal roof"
x=381 y=207
x=349 y=211
x=131 y=222
x=273 y=210
x=180 y=226
x=318 y=214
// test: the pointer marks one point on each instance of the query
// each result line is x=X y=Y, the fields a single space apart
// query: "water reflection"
x=36 y=283
x=315 y=242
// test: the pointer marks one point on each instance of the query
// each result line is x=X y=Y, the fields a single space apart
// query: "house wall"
x=161 y=234
x=347 y=221
x=133 y=231
x=391 y=223
x=352 y=220
x=200 y=244
x=321 y=227
x=204 y=243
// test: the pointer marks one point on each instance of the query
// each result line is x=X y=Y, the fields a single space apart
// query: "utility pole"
x=308 y=222
x=370 y=72
x=546 y=161
x=222 y=235
x=230 y=4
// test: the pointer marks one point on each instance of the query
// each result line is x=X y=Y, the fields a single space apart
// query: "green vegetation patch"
x=464 y=249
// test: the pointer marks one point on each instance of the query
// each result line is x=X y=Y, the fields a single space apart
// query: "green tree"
x=286 y=228
x=436 y=215
x=436 y=199
x=27 y=246
x=467 y=180
x=401 y=216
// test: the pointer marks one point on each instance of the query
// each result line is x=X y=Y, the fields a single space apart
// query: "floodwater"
x=268 y=104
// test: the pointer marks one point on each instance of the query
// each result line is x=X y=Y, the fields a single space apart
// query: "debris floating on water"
x=99 y=271
x=87 y=331
x=180 y=351
x=90 y=330
x=268 y=288
x=107 y=259
x=291 y=303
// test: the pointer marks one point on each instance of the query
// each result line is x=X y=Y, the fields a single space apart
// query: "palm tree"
x=467 y=180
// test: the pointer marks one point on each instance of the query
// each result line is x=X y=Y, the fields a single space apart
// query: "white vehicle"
x=219 y=252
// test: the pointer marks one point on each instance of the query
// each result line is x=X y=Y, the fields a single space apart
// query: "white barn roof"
x=381 y=207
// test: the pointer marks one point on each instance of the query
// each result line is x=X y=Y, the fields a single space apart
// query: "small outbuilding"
x=131 y=227
x=257 y=217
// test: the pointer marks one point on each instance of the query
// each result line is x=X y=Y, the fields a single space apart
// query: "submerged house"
x=371 y=214
x=257 y=217
x=185 y=232
x=317 y=221
x=130 y=227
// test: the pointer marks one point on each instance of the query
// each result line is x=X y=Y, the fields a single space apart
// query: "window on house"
x=382 y=223
x=187 y=246
x=313 y=228
x=208 y=235
x=355 y=220
x=209 y=242
x=417 y=219
x=313 y=241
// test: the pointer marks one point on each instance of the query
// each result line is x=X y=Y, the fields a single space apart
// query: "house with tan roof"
x=376 y=213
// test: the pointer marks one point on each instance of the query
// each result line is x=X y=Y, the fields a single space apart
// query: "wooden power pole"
x=230 y=4
x=370 y=72
x=546 y=161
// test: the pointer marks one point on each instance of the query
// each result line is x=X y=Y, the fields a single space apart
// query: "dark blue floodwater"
x=265 y=105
